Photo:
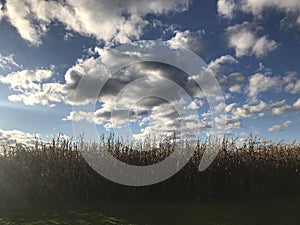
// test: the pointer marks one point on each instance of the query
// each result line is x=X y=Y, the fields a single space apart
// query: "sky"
x=49 y=48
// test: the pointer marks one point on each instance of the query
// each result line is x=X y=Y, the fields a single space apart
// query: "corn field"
x=58 y=171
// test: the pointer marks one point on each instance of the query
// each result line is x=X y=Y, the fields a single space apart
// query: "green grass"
x=279 y=211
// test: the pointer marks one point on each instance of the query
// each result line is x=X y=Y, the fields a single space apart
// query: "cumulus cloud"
x=109 y=21
x=216 y=64
x=36 y=87
x=261 y=106
x=233 y=81
x=133 y=81
x=256 y=108
x=120 y=93
x=262 y=82
x=68 y=36
x=296 y=105
x=188 y=39
x=236 y=113
x=244 y=39
x=123 y=87
x=164 y=119
x=17 y=136
x=77 y=116
x=226 y=8
x=257 y=7
x=1 y=12
x=229 y=121
x=27 y=79
x=259 y=83
x=248 y=110
x=281 y=107
x=22 y=138
x=31 y=87
x=279 y=127
x=292 y=82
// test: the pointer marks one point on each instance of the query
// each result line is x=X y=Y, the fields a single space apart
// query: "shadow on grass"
x=68 y=218
x=253 y=212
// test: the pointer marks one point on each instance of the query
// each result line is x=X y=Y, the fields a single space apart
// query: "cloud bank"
x=111 y=21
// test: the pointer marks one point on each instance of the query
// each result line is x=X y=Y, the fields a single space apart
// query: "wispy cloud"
x=8 y=62
x=279 y=127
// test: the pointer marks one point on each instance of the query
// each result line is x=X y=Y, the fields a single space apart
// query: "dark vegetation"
x=57 y=171
x=275 y=211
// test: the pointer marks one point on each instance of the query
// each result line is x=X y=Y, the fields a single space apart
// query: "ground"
x=281 y=211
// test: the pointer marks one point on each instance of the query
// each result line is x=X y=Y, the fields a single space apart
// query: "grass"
x=57 y=171
x=281 y=211
x=52 y=184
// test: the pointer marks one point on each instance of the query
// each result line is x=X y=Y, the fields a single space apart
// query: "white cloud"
x=281 y=107
x=36 y=87
x=287 y=123
x=256 y=7
x=296 y=105
x=230 y=107
x=229 y=121
x=249 y=110
x=77 y=116
x=160 y=116
x=20 y=16
x=164 y=119
x=8 y=62
x=263 y=46
x=125 y=84
x=226 y=8
x=68 y=36
x=236 y=114
x=279 y=127
x=22 y=138
x=195 y=104
x=104 y=20
x=17 y=136
x=215 y=65
x=31 y=87
x=243 y=38
x=261 y=106
x=275 y=128
x=1 y=12
x=26 y=79
x=280 y=110
x=234 y=81
x=188 y=39
x=292 y=83
x=259 y=83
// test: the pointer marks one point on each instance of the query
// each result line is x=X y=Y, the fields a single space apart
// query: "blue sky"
x=46 y=47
